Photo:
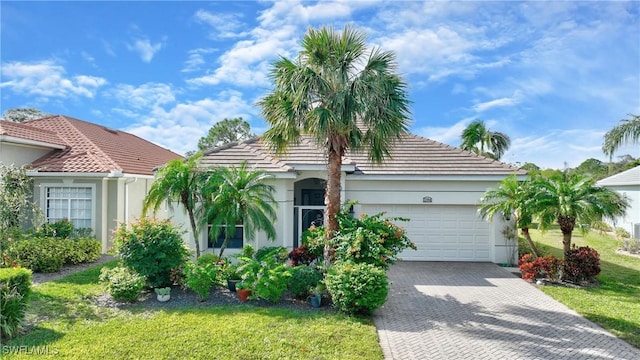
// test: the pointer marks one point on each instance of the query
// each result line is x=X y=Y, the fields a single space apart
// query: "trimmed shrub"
x=530 y=267
x=61 y=229
x=581 y=264
x=200 y=278
x=357 y=288
x=622 y=233
x=82 y=250
x=122 y=283
x=40 y=254
x=631 y=245
x=601 y=226
x=151 y=248
x=15 y=290
x=303 y=279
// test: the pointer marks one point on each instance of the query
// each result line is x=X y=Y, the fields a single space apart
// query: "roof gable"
x=627 y=177
x=19 y=132
x=410 y=155
x=95 y=148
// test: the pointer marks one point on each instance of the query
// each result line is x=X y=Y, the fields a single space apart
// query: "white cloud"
x=196 y=59
x=179 y=128
x=145 y=49
x=295 y=12
x=447 y=134
x=225 y=25
x=501 y=102
x=47 y=78
x=147 y=95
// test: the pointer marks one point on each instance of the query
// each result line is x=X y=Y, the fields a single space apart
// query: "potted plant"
x=230 y=273
x=243 y=291
x=316 y=295
x=163 y=294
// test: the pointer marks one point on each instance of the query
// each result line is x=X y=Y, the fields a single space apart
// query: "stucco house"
x=435 y=185
x=627 y=183
x=92 y=175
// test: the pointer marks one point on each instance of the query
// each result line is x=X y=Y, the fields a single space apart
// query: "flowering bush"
x=581 y=264
x=552 y=267
x=532 y=267
x=369 y=239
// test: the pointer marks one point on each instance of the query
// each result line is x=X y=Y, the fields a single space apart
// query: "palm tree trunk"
x=532 y=245
x=226 y=239
x=332 y=201
x=192 y=220
x=566 y=227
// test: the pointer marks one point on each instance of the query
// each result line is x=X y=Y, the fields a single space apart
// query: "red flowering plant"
x=530 y=267
x=581 y=264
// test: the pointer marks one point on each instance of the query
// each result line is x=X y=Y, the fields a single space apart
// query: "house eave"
x=27 y=142
x=434 y=177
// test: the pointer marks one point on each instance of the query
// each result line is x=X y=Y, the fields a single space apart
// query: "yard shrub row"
x=15 y=290
x=49 y=254
x=580 y=264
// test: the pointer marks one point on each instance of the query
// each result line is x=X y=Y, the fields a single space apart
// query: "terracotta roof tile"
x=26 y=132
x=95 y=148
x=411 y=155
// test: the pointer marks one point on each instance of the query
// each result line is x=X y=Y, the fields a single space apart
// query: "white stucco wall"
x=20 y=155
x=632 y=193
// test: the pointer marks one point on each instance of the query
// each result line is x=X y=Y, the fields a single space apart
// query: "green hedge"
x=15 y=290
x=357 y=288
x=48 y=254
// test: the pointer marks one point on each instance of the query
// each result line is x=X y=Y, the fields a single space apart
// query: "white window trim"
x=67 y=184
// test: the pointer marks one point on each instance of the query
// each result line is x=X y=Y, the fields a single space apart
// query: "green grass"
x=615 y=304
x=71 y=326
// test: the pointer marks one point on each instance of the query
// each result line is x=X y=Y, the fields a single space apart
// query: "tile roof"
x=26 y=132
x=627 y=177
x=411 y=155
x=95 y=148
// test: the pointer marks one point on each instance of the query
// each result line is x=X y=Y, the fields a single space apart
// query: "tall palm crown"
x=570 y=199
x=627 y=131
x=476 y=137
x=511 y=198
x=181 y=181
x=340 y=94
x=237 y=195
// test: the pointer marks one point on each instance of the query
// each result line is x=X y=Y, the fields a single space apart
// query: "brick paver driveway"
x=444 y=310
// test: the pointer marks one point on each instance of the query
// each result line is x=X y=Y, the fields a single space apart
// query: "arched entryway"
x=308 y=206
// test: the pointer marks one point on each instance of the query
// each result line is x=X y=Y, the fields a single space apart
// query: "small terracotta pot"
x=243 y=294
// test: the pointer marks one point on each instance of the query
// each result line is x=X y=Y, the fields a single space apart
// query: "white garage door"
x=441 y=232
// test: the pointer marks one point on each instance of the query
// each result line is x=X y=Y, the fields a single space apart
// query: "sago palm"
x=177 y=181
x=626 y=132
x=511 y=199
x=574 y=199
x=477 y=138
x=238 y=195
x=342 y=95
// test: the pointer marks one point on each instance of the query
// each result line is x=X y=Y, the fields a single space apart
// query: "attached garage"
x=441 y=232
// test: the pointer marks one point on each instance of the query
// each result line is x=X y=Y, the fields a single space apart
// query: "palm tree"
x=626 y=132
x=511 y=199
x=482 y=141
x=343 y=96
x=181 y=181
x=573 y=198
x=237 y=195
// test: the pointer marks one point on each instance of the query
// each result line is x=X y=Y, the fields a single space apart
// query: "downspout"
x=103 y=223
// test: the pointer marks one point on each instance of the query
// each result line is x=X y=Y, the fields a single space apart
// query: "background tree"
x=571 y=199
x=477 y=138
x=23 y=114
x=16 y=190
x=181 y=181
x=225 y=132
x=626 y=132
x=237 y=195
x=511 y=199
x=341 y=95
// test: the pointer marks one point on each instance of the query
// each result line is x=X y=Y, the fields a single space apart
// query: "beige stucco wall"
x=20 y=155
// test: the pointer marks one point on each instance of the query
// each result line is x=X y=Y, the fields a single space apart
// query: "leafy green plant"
x=267 y=279
x=122 y=283
x=622 y=233
x=82 y=250
x=208 y=259
x=163 y=291
x=357 y=288
x=303 y=279
x=16 y=207
x=278 y=252
x=61 y=229
x=151 y=248
x=200 y=278
x=631 y=245
x=15 y=291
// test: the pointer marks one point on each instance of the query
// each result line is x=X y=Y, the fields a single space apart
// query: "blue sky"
x=554 y=76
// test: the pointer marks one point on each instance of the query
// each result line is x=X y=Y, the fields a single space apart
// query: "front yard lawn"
x=68 y=323
x=615 y=304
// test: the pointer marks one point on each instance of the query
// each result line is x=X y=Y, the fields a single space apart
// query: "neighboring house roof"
x=627 y=177
x=411 y=155
x=24 y=134
x=96 y=149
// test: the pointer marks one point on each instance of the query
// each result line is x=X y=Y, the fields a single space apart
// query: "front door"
x=309 y=212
